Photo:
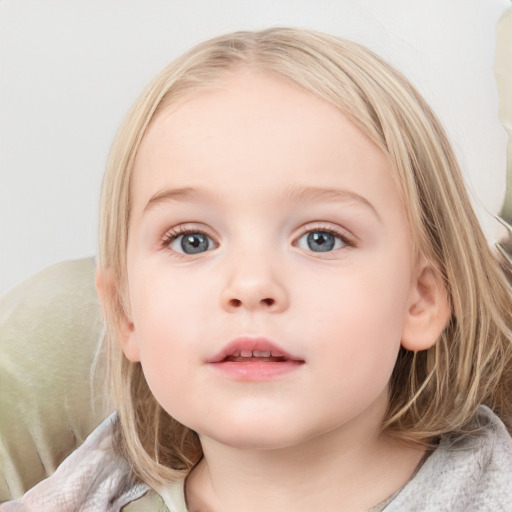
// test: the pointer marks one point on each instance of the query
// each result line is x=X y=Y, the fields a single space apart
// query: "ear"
x=428 y=313
x=114 y=311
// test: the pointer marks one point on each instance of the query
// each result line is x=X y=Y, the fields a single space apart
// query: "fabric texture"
x=51 y=329
x=471 y=474
x=92 y=479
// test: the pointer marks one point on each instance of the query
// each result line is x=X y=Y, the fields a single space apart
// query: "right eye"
x=189 y=242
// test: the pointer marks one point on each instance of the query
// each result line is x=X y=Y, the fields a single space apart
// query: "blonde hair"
x=431 y=392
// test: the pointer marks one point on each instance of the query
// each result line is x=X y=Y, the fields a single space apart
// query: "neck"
x=350 y=469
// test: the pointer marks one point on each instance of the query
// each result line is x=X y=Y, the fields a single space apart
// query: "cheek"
x=167 y=304
x=170 y=315
x=357 y=323
x=166 y=360
x=158 y=321
x=365 y=302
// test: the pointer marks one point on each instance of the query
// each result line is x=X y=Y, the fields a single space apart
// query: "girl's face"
x=269 y=266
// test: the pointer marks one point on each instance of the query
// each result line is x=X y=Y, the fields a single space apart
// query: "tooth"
x=246 y=353
x=261 y=353
x=276 y=355
x=236 y=354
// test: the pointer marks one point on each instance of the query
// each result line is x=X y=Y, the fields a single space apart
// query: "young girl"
x=302 y=311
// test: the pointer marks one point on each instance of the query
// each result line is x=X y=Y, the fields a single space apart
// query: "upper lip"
x=246 y=344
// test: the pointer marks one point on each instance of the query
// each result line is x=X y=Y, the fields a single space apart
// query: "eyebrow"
x=176 y=194
x=291 y=194
x=334 y=195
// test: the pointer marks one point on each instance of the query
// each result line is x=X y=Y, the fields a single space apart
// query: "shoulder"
x=93 y=478
x=471 y=473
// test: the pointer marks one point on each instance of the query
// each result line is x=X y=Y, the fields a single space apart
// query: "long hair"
x=432 y=392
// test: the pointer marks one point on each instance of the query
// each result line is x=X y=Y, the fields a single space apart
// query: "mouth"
x=254 y=359
x=247 y=350
x=247 y=356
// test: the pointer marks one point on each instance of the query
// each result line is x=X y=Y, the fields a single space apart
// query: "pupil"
x=194 y=243
x=320 y=241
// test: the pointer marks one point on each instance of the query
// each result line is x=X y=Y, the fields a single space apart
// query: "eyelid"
x=343 y=234
x=172 y=234
x=175 y=232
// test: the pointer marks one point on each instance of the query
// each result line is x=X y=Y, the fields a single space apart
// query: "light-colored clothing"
x=470 y=474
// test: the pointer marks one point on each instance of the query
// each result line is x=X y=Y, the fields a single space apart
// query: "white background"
x=69 y=70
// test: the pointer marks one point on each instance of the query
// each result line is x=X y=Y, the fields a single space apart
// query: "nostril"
x=237 y=303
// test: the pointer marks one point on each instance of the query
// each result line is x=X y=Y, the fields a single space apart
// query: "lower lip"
x=255 y=370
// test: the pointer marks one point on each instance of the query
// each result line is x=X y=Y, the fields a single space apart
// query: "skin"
x=243 y=164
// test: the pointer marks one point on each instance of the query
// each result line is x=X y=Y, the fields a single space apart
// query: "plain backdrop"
x=70 y=69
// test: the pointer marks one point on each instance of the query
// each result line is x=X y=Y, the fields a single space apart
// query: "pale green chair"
x=50 y=333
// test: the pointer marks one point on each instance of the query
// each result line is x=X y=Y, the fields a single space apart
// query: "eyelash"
x=174 y=233
x=341 y=234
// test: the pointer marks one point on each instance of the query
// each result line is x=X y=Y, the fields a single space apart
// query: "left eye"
x=192 y=243
x=320 y=241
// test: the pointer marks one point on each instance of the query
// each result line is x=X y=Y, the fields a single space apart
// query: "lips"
x=254 y=360
x=247 y=350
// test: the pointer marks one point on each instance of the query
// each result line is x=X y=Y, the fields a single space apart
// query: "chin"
x=256 y=435
x=258 y=443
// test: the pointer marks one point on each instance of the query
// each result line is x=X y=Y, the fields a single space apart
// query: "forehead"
x=253 y=131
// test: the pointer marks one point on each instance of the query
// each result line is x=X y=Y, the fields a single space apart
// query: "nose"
x=252 y=284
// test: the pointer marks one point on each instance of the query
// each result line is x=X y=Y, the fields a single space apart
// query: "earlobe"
x=115 y=314
x=428 y=313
